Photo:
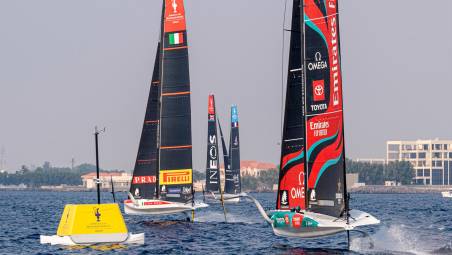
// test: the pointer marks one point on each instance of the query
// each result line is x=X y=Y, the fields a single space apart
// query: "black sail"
x=225 y=150
x=291 y=186
x=232 y=175
x=175 y=165
x=146 y=165
x=212 y=164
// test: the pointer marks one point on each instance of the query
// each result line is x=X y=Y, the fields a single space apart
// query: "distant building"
x=252 y=168
x=431 y=159
x=199 y=186
x=121 y=180
x=371 y=160
x=353 y=181
x=392 y=183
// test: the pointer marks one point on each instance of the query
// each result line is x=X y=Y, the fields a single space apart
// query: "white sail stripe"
x=296 y=139
x=296 y=70
x=324 y=113
x=334 y=14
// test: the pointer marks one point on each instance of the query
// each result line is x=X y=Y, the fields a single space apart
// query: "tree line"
x=46 y=175
x=369 y=173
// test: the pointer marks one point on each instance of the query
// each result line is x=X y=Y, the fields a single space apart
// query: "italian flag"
x=176 y=38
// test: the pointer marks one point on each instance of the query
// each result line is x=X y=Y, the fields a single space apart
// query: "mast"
x=292 y=184
x=212 y=163
x=324 y=109
x=175 y=164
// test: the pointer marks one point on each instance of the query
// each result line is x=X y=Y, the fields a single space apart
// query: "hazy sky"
x=68 y=65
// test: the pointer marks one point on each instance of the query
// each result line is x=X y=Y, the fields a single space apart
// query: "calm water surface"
x=411 y=224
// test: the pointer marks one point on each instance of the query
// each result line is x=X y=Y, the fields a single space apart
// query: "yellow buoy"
x=93 y=223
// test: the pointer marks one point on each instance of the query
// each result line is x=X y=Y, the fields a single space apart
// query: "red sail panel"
x=324 y=125
x=174 y=16
x=292 y=186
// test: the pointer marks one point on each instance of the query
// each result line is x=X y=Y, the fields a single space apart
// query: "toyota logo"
x=318 y=90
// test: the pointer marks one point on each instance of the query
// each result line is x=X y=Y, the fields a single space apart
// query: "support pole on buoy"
x=192 y=215
x=96 y=138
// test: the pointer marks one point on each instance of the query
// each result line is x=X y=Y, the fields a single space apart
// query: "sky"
x=69 y=65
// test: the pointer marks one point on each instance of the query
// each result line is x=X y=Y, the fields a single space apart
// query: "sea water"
x=411 y=224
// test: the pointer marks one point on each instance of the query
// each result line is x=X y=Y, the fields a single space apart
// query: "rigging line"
x=282 y=69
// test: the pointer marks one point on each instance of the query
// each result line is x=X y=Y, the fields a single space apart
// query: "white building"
x=121 y=180
x=431 y=159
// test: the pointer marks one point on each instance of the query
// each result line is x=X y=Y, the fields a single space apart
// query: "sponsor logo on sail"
x=335 y=53
x=298 y=191
x=174 y=5
x=213 y=159
x=173 y=177
x=284 y=200
x=312 y=197
x=318 y=90
x=174 y=16
x=320 y=128
x=149 y=179
x=319 y=64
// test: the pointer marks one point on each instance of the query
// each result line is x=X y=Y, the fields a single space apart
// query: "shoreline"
x=370 y=189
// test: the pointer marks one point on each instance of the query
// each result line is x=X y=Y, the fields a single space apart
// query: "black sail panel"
x=176 y=174
x=145 y=172
x=232 y=175
x=291 y=186
x=212 y=164
x=325 y=122
x=225 y=150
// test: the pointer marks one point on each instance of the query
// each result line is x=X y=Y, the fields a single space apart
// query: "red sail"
x=324 y=125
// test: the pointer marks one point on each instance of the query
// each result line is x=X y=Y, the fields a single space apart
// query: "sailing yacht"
x=213 y=176
x=233 y=184
x=312 y=198
x=162 y=181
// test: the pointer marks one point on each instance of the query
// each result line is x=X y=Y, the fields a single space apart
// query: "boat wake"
x=395 y=239
x=231 y=218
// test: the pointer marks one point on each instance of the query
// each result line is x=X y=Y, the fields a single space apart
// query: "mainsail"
x=292 y=188
x=324 y=109
x=313 y=139
x=232 y=175
x=145 y=172
x=175 y=164
x=212 y=165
